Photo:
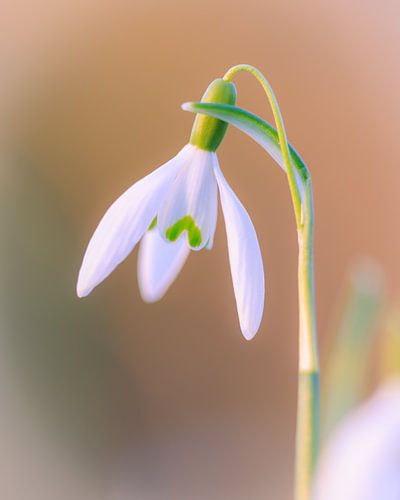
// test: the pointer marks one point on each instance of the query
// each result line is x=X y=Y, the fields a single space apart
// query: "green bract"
x=208 y=132
x=254 y=126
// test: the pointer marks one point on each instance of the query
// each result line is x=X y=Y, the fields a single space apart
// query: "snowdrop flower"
x=174 y=210
x=362 y=458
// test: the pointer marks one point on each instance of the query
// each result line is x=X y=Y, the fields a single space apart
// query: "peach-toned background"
x=109 y=398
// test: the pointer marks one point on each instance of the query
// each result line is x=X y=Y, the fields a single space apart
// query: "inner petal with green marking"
x=191 y=204
x=187 y=223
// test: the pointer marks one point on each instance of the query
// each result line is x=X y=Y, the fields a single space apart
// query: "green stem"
x=307 y=435
x=294 y=189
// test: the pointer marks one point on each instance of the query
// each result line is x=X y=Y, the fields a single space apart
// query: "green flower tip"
x=208 y=132
x=185 y=224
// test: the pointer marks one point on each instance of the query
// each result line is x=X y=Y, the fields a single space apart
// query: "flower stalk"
x=294 y=188
x=307 y=434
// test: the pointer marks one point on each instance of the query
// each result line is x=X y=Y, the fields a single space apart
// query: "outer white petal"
x=245 y=259
x=159 y=263
x=194 y=194
x=124 y=224
x=362 y=458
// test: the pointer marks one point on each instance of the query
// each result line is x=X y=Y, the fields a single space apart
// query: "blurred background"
x=110 y=398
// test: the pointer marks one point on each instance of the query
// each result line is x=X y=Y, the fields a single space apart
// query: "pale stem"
x=307 y=434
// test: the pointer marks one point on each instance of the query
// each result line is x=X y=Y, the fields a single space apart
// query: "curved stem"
x=307 y=435
x=294 y=189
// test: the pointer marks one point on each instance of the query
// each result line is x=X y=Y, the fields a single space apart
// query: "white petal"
x=124 y=224
x=192 y=199
x=245 y=259
x=361 y=459
x=159 y=263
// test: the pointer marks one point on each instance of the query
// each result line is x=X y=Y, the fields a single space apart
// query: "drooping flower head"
x=172 y=211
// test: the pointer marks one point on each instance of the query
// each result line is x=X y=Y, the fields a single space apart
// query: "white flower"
x=362 y=458
x=174 y=210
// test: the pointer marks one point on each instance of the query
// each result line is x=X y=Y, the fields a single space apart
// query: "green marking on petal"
x=153 y=223
x=188 y=224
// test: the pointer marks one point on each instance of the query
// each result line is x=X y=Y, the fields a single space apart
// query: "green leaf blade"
x=252 y=125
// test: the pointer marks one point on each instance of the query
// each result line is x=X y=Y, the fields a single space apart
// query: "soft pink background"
x=109 y=398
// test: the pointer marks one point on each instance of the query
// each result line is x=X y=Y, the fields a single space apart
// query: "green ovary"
x=188 y=224
x=208 y=132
